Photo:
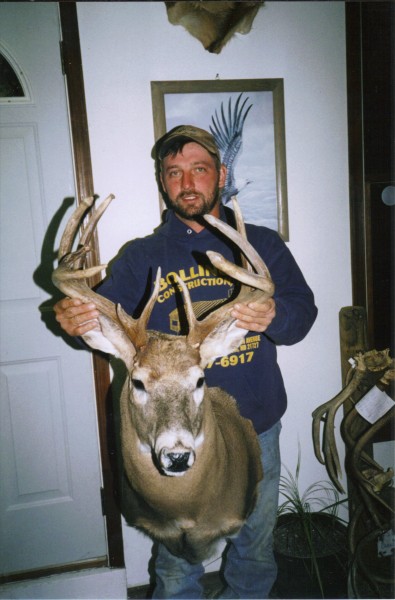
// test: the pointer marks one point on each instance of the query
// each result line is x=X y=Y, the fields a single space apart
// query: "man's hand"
x=75 y=317
x=254 y=316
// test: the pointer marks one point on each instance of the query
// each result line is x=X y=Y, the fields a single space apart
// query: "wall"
x=125 y=46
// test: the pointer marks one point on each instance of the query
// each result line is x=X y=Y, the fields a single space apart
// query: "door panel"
x=50 y=473
x=20 y=189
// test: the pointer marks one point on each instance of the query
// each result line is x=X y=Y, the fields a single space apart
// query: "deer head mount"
x=192 y=462
x=213 y=23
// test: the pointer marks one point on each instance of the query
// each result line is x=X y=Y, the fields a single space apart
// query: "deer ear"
x=223 y=340
x=111 y=340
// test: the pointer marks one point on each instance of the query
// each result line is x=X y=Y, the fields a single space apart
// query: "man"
x=190 y=175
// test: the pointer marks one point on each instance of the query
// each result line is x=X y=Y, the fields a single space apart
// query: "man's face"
x=192 y=181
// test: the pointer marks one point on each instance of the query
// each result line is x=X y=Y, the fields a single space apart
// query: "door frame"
x=363 y=171
x=72 y=69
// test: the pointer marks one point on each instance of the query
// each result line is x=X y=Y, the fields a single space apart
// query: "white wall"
x=126 y=45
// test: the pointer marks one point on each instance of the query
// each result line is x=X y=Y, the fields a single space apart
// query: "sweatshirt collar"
x=174 y=227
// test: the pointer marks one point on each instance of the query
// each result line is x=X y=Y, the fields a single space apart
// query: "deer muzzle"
x=176 y=463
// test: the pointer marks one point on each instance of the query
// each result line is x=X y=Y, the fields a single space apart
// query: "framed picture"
x=246 y=116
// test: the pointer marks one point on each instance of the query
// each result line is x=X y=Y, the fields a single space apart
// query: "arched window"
x=10 y=86
x=13 y=84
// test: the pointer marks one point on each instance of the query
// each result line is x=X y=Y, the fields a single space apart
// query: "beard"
x=199 y=206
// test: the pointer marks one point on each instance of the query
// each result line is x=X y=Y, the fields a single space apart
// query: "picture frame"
x=257 y=105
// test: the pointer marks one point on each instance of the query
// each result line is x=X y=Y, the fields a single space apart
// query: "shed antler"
x=118 y=327
x=326 y=414
x=366 y=364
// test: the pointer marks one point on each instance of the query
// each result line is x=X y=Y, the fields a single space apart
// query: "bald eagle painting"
x=227 y=129
x=242 y=123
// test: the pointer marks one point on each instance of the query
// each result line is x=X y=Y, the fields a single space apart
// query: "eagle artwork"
x=228 y=133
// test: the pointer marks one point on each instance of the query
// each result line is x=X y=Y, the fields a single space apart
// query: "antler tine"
x=320 y=414
x=261 y=279
x=71 y=229
x=327 y=412
x=136 y=329
x=241 y=228
x=66 y=241
x=94 y=219
x=355 y=457
x=349 y=436
x=68 y=277
x=197 y=329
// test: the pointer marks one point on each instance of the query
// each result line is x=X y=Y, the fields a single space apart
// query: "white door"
x=50 y=476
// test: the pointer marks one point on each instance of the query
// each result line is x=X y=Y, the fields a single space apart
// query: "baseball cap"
x=188 y=133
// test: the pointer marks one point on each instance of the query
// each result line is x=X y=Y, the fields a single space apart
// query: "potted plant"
x=310 y=540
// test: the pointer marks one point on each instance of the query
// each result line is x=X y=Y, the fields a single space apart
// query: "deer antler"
x=119 y=328
x=372 y=361
x=257 y=287
x=68 y=276
x=326 y=413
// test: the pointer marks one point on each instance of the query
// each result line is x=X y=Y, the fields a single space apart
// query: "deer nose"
x=176 y=462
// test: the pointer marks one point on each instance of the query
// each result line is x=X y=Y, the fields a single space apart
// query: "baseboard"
x=99 y=584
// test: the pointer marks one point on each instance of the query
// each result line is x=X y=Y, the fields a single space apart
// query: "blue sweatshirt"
x=251 y=374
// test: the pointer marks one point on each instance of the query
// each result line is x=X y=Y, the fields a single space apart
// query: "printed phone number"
x=232 y=360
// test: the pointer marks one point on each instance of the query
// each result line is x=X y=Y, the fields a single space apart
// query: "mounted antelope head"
x=179 y=438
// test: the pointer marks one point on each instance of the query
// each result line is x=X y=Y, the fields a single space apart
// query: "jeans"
x=250 y=569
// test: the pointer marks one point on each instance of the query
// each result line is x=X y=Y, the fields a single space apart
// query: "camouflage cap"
x=186 y=132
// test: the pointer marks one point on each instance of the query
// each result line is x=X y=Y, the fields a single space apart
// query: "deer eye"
x=200 y=382
x=138 y=385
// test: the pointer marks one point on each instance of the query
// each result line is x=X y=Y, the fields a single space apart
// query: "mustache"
x=182 y=195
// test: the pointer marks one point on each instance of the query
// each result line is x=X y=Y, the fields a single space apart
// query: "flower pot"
x=298 y=560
